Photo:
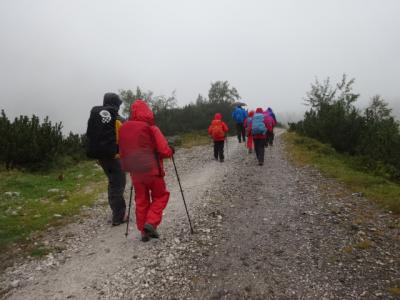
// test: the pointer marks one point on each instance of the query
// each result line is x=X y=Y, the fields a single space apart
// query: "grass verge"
x=31 y=202
x=191 y=139
x=307 y=151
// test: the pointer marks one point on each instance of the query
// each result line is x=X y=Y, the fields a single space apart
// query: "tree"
x=162 y=102
x=128 y=97
x=221 y=92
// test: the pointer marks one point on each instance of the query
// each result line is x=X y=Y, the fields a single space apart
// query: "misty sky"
x=57 y=58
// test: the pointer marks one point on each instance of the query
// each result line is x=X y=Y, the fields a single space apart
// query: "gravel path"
x=272 y=232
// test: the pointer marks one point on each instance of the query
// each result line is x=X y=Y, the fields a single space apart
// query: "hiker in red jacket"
x=259 y=131
x=142 y=150
x=247 y=125
x=218 y=130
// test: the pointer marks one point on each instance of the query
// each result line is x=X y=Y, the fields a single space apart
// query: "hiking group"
x=257 y=127
x=138 y=147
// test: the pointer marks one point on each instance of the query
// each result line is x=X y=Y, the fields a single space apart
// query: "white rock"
x=12 y=194
x=57 y=215
x=53 y=190
x=14 y=283
x=169 y=259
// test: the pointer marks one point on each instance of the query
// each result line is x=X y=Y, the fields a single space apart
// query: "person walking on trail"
x=259 y=130
x=102 y=144
x=271 y=121
x=218 y=130
x=239 y=115
x=143 y=148
x=247 y=125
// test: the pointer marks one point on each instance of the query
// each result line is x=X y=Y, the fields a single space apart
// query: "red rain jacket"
x=247 y=123
x=142 y=146
x=216 y=123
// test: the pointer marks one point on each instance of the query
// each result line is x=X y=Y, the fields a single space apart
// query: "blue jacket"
x=239 y=114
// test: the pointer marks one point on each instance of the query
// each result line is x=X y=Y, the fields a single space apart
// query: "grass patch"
x=363 y=244
x=197 y=138
x=395 y=291
x=307 y=151
x=39 y=251
x=31 y=202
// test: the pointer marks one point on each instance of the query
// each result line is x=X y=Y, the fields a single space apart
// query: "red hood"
x=251 y=114
x=259 y=110
x=140 y=111
x=218 y=116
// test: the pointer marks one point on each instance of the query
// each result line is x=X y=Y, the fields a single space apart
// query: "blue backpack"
x=239 y=115
x=258 y=126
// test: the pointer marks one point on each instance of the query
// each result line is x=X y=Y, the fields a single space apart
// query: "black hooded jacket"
x=112 y=99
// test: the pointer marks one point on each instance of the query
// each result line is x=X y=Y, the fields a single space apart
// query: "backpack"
x=101 y=136
x=258 y=126
x=137 y=148
x=217 y=131
x=239 y=115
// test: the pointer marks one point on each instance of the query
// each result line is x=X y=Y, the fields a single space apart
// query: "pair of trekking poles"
x=183 y=198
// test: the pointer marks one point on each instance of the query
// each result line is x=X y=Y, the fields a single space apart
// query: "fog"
x=58 y=58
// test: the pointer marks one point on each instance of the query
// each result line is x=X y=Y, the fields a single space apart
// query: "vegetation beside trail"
x=371 y=136
x=31 y=202
x=193 y=117
x=32 y=144
x=196 y=138
x=304 y=150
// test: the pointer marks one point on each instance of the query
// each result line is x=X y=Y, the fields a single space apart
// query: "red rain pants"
x=151 y=197
x=250 y=142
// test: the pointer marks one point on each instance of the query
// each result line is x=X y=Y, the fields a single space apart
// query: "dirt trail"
x=271 y=232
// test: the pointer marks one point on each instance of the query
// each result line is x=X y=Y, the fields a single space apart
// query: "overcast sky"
x=57 y=58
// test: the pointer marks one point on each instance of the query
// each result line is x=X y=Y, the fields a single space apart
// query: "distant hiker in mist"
x=218 y=130
x=143 y=148
x=247 y=126
x=102 y=144
x=239 y=115
x=259 y=132
x=271 y=123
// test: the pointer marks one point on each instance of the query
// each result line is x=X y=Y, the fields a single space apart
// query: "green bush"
x=30 y=144
x=372 y=135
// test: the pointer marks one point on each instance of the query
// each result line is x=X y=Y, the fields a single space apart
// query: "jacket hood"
x=217 y=116
x=259 y=110
x=112 y=99
x=251 y=113
x=269 y=109
x=140 y=111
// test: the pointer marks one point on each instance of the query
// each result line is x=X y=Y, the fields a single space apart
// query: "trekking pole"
x=129 y=212
x=183 y=196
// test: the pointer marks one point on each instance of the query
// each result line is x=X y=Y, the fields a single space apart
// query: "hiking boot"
x=145 y=237
x=260 y=163
x=118 y=222
x=250 y=151
x=221 y=160
x=120 y=219
x=151 y=231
